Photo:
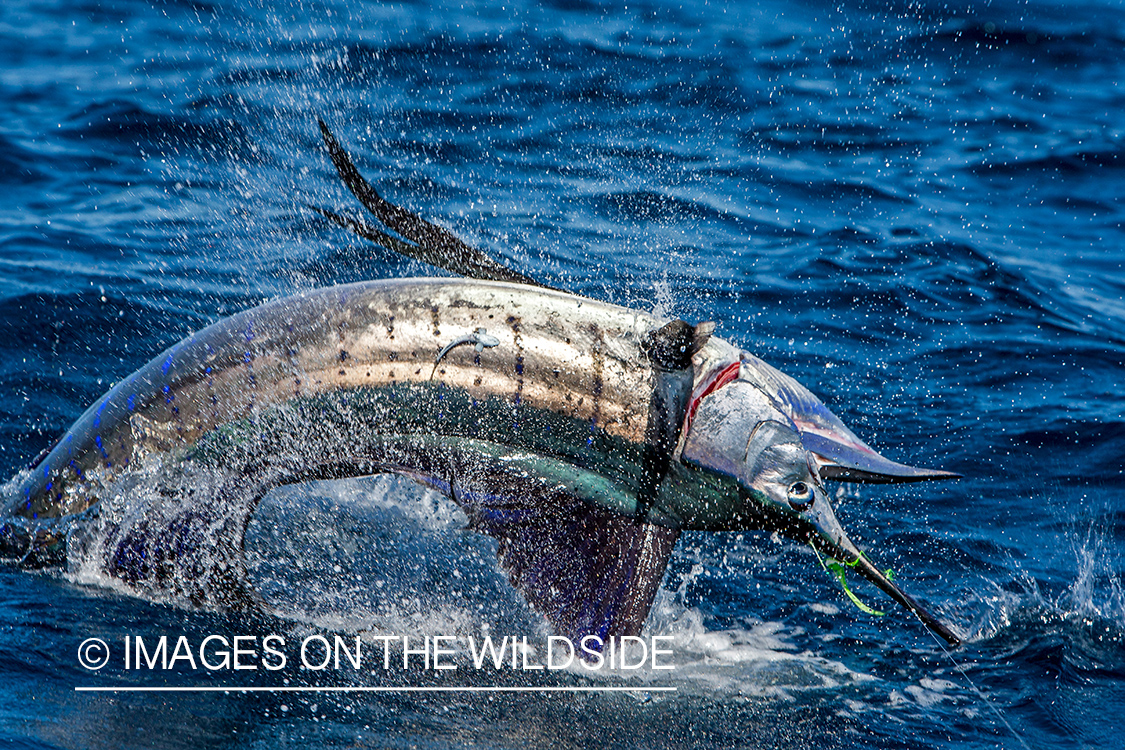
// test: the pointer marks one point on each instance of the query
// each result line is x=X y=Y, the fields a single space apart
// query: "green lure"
x=834 y=566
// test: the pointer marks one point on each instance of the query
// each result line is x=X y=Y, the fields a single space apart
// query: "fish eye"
x=800 y=495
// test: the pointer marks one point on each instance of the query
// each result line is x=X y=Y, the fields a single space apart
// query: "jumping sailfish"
x=583 y=436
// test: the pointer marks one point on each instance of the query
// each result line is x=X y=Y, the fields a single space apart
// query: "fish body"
x=574 y=364
x=554 y=421
x=547 y=430
x=583 y=436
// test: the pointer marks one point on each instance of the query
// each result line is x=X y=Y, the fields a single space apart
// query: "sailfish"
x=583 y=436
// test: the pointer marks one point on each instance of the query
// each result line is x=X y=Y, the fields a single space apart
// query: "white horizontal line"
x=376 y=689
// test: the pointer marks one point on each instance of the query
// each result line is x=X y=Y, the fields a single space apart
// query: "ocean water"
x=914 y=208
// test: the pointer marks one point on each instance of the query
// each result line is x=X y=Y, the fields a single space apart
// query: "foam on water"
x=383 y=556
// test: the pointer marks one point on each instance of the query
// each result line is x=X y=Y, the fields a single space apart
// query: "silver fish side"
x=559 y=354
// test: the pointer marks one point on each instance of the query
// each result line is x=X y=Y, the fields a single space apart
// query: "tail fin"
x=424 y=241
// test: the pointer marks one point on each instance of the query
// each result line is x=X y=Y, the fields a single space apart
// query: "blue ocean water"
x=916 y=209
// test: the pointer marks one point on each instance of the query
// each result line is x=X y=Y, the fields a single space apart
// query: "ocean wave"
x=129 y=128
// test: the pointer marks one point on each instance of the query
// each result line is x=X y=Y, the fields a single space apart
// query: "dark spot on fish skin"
x=599 y=372
x=477 y=381
x=514 y=323
x=391 y=374
x=342 y=372
x=418 y=372
x=435 y=320
x=392 y=356
x=343 y=355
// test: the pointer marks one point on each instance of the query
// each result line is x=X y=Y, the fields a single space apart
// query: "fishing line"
x=836 y=566
x=978 y=691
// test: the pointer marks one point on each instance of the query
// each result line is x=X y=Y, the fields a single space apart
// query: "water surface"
x=914 y=208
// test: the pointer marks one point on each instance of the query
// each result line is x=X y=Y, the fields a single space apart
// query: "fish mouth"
x=828 y=538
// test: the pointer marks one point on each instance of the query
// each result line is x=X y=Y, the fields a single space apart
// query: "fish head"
x=780 y=443
x=738 y=431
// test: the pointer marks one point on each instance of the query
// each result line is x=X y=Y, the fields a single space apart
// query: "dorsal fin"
x=586 y=568
x=426 y=242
